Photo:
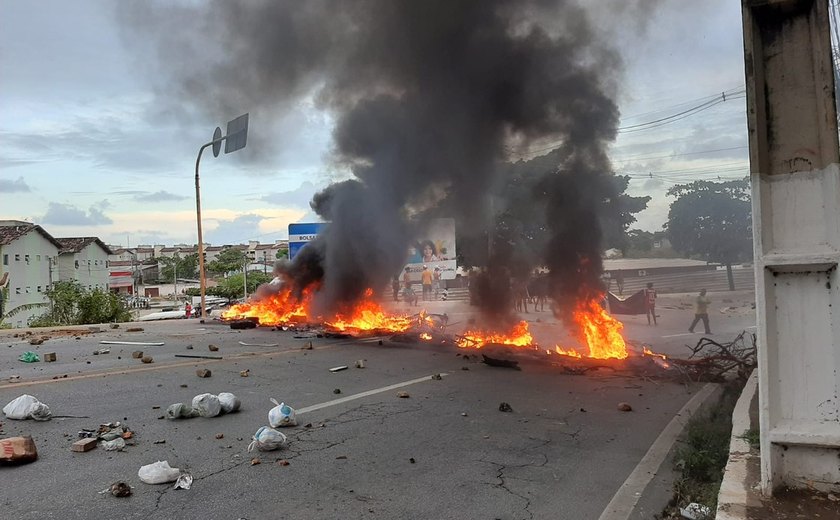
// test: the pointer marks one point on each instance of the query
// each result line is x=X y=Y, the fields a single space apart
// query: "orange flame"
x=368 y=315
x=599 y=331
x=518 y=337
x=277 y=309
x=569 y=352
x=425 y=336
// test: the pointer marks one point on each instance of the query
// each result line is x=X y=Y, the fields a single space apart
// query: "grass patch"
x=702 y=457
x=752 y=436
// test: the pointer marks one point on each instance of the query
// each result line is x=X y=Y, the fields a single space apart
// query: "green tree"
x=230 y=259
x=186 y=267
x=72 y=304
x=712 y=221
x=282 y=253
x=232 y=287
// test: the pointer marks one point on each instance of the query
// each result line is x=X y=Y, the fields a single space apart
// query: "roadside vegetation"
x=71 y=304
x=703 y=455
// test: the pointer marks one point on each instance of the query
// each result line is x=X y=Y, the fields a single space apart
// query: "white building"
x=29 y=266
x=84 y=260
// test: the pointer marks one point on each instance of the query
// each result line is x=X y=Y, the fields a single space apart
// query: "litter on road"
x=197 y=356
x=267 y=439
x=29 y=357
x=18 y=450
x=120 y=489
x=101 y=351
x=84 y=445
x=49 y=357
x=159 y=472
x=184 y=481
x=213 y=348
x=134 y=343
x=203 y=372
x=259 y=344
x=338 y=369
x=147 y=359
x=27 y=407
x=281 y=415
x=505 y=407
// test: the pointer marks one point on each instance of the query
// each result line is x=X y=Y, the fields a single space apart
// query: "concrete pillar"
x=796 y=224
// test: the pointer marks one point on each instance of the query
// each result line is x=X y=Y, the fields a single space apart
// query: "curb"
x=732 y=497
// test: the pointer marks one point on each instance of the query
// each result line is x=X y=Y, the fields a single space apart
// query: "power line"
x=669 y=156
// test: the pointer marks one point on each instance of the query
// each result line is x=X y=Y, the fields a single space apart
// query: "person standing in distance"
x=650 y=302
x=426 y=278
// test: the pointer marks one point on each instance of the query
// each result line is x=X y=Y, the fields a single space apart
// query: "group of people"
x=701 y=308
x=430 y=281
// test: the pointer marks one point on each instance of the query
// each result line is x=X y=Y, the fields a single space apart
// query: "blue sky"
x=87 y=150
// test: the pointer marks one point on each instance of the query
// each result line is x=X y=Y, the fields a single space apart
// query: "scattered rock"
x=341 y=457
x=463 y=414
x=411 y=460
x=255 y=461
x=245 y=373
x=505 y=407
x=134 y=329
x=145 y=359
x=583 y=409
x=160 y=441
x=183 y=386
x=380 y=342
x=437 y=377
x=220 y=435
x=213 y=348
x=137 y=354
x=189 y=347
x=308 y=425
x=403 y=395
x=465 y=368
x=282 y=462
x=36 y=341
x=49 y=357
x=625 y=407
x=337 y=391
x=120 y=489
x=308 y=346
x=203 y=372
x=113 y=326
x=360 y=363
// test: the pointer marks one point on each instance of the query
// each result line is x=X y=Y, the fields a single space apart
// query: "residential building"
x=84 y=260
x=28 y=266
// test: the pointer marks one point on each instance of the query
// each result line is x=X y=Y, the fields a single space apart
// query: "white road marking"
x=360 y=395
x=625 y=499
x=678 y=335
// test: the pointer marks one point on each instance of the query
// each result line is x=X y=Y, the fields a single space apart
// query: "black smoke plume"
x=429 y=99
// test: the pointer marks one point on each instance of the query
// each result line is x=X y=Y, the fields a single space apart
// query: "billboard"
x=434 y=248
x=302 y=233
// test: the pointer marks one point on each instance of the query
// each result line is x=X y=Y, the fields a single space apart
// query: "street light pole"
x=236 y=138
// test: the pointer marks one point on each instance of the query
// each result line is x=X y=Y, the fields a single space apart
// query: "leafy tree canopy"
x=711 y=221
x=230 y=259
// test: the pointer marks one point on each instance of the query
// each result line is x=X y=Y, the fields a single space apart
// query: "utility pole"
x=795 y=177
x=245 y=276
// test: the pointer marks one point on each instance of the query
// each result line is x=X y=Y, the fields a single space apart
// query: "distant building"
x=29 y=266
x=84 y=260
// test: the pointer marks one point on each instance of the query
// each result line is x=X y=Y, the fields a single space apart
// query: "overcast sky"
x=87 y=150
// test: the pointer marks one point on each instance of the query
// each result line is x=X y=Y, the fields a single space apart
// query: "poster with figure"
x=434 y=248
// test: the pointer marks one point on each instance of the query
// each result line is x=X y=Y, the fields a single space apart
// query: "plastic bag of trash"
x=29 y=357
x=114 y=444
x=230 y=403
x=207 y=405
x=267 y=439
x=281 y=415
x=159 y=472
x=27 y=407
x=180 y=411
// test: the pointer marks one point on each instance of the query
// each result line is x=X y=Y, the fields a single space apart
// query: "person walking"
x=395 y=286
x=188 y=310
x=426 y=279
x=701 y=311
x=436 y=282
x=650 y=303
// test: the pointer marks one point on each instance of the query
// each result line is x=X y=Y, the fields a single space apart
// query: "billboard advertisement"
x=435 y=249
x=301 y=233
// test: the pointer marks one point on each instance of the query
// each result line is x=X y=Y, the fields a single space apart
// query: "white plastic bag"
x=207 y=405
x=281 y=415
x=230 y=403
x=159 y=472
x=27 y=407
x=267 y=439
x=180 y=411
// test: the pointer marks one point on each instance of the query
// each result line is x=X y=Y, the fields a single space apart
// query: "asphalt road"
x=563 y=452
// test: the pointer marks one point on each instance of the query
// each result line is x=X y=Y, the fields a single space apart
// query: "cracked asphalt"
x=446 y=452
